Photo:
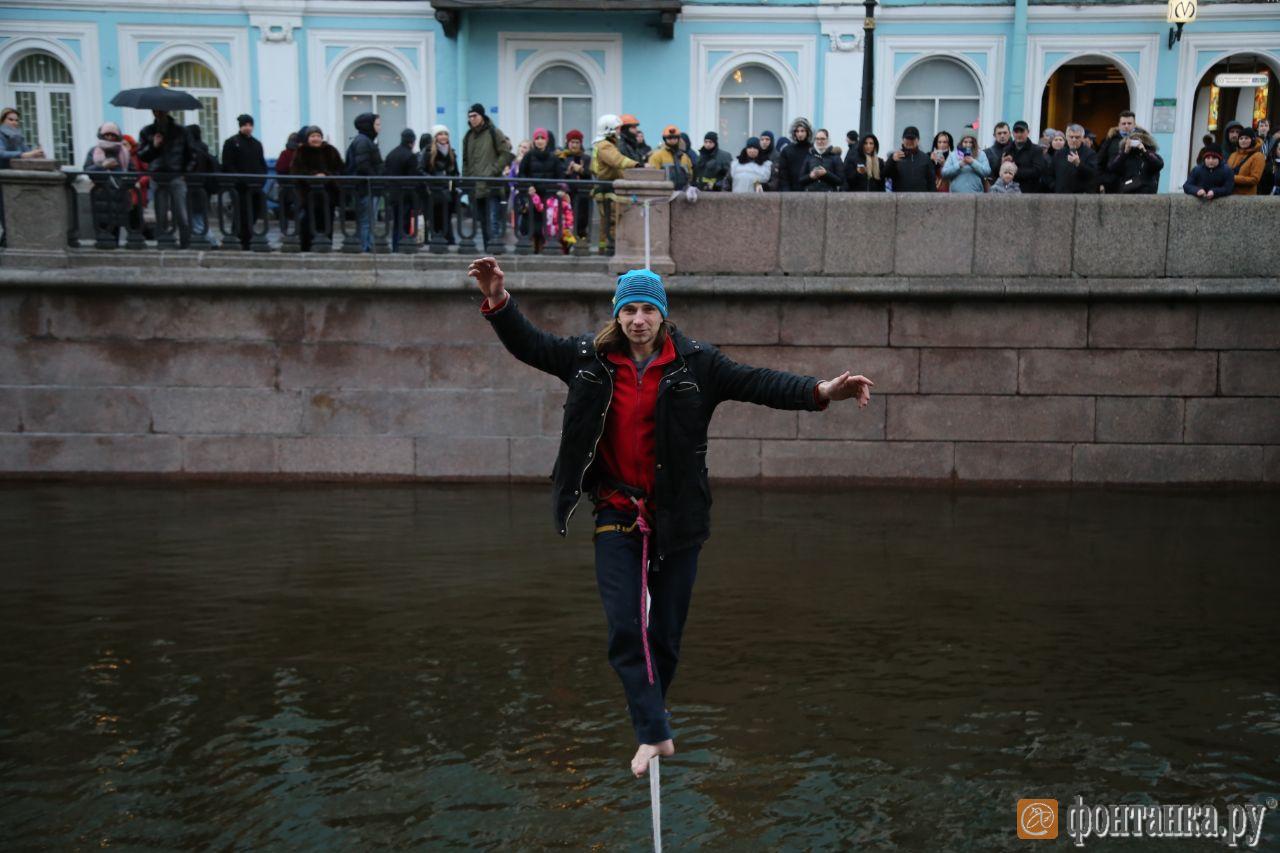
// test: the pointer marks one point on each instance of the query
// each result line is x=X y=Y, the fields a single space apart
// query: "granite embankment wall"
x=997 y=357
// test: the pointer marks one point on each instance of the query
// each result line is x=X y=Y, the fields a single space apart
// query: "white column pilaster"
x=278 y=83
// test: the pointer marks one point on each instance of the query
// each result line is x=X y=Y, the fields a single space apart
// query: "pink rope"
x=644 y=592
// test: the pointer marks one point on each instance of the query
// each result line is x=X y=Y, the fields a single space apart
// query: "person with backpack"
x=486 y=151
x=577 y=167
x=204 y=195
x=364 y=159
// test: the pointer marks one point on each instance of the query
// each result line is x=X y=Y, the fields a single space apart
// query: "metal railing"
x=343 y=213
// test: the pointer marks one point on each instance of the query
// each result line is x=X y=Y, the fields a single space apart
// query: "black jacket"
x=791 y=166
x=700 y=378
x=401 y=160
x=1136 y=170
x=914 y=173
x=363 y=155
x=174 y=155
x=242 y=155
x=1031 y=163
x=861 y=182
x=1220 y=180
x=1063 y=177
x=832 y=181
x=995 y=156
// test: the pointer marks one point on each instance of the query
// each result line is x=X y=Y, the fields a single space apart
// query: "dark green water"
x=424 y=668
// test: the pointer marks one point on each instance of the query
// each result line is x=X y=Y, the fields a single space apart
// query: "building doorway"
x=1088 y=91
x=1217 y=106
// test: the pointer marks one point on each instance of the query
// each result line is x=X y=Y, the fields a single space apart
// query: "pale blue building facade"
x=737 y=68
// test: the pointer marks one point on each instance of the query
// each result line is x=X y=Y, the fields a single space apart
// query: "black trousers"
x=670 y=589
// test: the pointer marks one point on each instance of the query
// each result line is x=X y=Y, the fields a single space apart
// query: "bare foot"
x=640 y=764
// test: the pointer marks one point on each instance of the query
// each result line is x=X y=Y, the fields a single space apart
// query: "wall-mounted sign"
x=1182 y=11
x=1235 y=81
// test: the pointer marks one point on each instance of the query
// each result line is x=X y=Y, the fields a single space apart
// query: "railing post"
x=36 y=205
x=643 y=185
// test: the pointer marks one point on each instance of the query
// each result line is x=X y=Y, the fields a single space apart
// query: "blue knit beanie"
x=640 y=286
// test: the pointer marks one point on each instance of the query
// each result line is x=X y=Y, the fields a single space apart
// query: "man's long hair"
x=611 y=338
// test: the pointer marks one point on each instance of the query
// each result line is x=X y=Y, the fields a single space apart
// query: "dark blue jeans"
x=670 y=588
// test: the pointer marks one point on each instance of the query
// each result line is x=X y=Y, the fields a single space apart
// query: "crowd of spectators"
x=1125 y=160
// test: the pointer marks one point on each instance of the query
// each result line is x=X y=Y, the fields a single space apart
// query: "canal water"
x=350 y=668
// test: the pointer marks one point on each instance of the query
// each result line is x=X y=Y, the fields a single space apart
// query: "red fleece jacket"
x=627 y=452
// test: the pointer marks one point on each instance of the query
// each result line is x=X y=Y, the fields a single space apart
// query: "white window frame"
x=220 y=94
x=1213 y=47
x=560 y=99
x=799 y=86
x=26 y=37
x=43 y=131
x=557 y=49
x=751 y=103
x=194 y=43
x=325 y=106
x=1141 y=80
x=884 y=113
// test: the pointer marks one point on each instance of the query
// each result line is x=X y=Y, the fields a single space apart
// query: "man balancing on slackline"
x=634 y=439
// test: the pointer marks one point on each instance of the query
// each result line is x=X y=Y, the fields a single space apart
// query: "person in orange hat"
x=628 y=144
x=671 y=159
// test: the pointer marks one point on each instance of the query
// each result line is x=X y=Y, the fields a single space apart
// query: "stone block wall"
x=251 y=383
x=947 y=236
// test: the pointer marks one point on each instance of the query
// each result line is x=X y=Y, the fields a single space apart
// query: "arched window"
x=750 y=101
x=42 y=88
x=375 y=87
x=196 y=78
x=938 y=94
x=560 y=101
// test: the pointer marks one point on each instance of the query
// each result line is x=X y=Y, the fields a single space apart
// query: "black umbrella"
x=156 y=98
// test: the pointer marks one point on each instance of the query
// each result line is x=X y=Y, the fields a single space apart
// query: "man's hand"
x=1209 y=194
x=898 y=155
x=489 y=277
x=1073 y=158
x=157 y=139
x=1200 y=192
x=845 y=386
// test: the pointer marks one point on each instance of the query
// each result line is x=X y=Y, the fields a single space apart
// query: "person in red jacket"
x=634 y=439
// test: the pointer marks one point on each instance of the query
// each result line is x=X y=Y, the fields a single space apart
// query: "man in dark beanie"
x=486 y=152
x=242 y=155
x=712 y=166
x=402 y=162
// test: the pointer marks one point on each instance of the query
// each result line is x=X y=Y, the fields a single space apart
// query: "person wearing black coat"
x=792 y=158
x=206 y=197
x=1029 y=157
x=1137 y=166
x=541 y=162
x=316 y=199
x=1074 y=168
x=242 y=155
x=164 y=147
x=1211 y=179
x=910 y=169
x=649 y=485
x=865 y=172
x=440 y=159
x=823 y=168
x=365 y=159
x=402 y=162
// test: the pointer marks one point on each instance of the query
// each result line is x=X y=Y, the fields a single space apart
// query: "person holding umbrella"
x=164 y=147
